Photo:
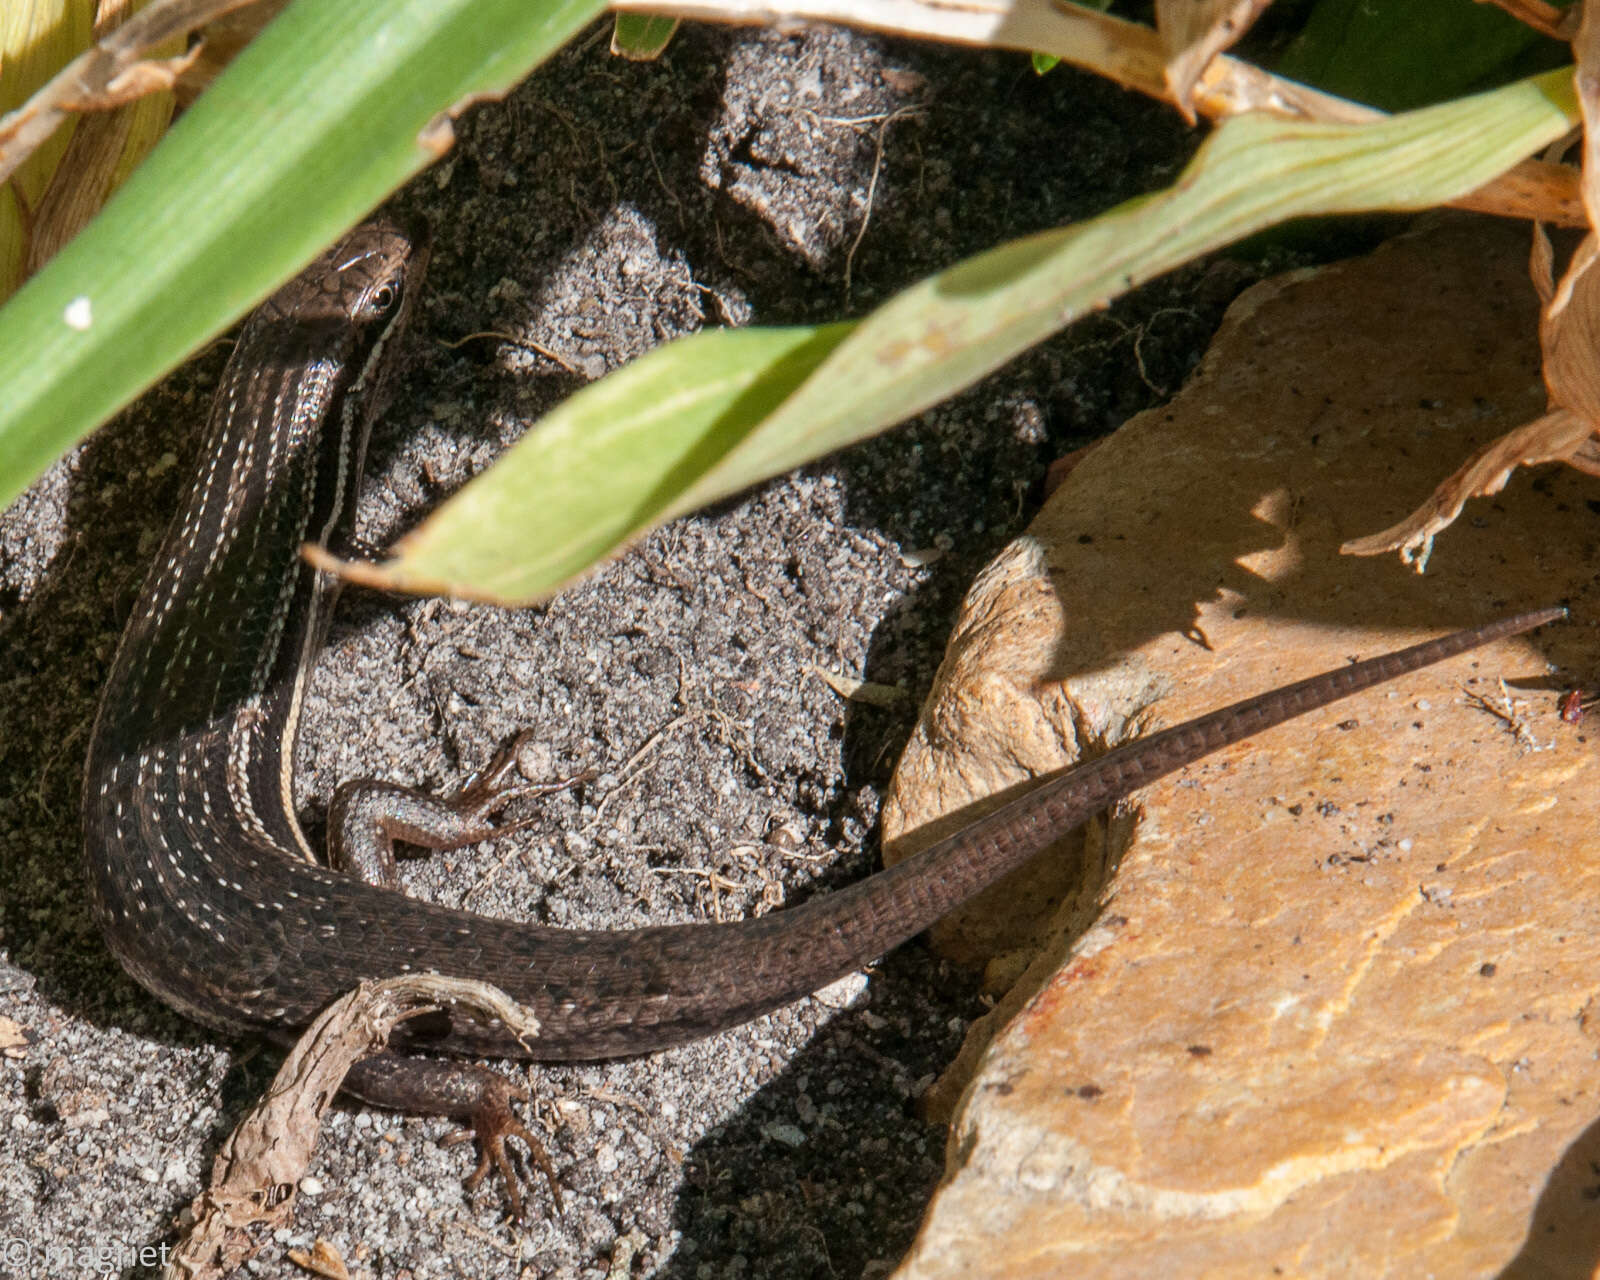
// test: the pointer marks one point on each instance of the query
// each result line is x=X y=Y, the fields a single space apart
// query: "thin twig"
x=1513 y=711
x=515 y=341
x=872 y=191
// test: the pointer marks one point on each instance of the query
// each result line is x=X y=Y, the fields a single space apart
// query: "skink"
x=197 y=867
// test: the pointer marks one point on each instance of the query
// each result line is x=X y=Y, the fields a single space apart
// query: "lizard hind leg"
x=366 y=818
x=473 y=1095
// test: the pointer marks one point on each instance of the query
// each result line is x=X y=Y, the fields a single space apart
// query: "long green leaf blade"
x=633 y=443
x=331 y=108
x=520 y=530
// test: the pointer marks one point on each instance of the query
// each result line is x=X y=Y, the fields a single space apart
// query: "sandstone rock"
x=1325 y=1003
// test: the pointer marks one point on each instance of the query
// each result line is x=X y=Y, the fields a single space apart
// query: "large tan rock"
x=1325 y=1003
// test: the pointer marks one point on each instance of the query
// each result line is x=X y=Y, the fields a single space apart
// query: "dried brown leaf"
x=1569 y=324
x=1569 y=333
x=1587 y=457
x=1542 y=266
x=14 y=1041
x=323 y=1260
x=865 y=691
x=100 y=153
x=1586 y=80
x=1552 y=438
x=134 y=81
x=1533 y=190
x=1194 y=32
x=254 y=1177
x=1569 y=339
x=105 y=74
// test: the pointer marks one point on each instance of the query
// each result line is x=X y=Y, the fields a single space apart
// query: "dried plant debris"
x=322 y=1259
x=1555 y=437
x=1196 y=31
x=254 y=1177
x=113 y=71
x=1569 y=337
x=14 y=1039
x=1514 y=712
x=855 y=690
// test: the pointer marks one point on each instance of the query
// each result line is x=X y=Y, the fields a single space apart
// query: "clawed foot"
x=492 y=1122
x=494 y=787
x=471 y=1094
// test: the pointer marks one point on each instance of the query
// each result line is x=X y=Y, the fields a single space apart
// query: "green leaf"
x=631 y=447
x=1401 y=54
x=1043 y=62
x=642 y=37
x=331 y=108
x=713 y=413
